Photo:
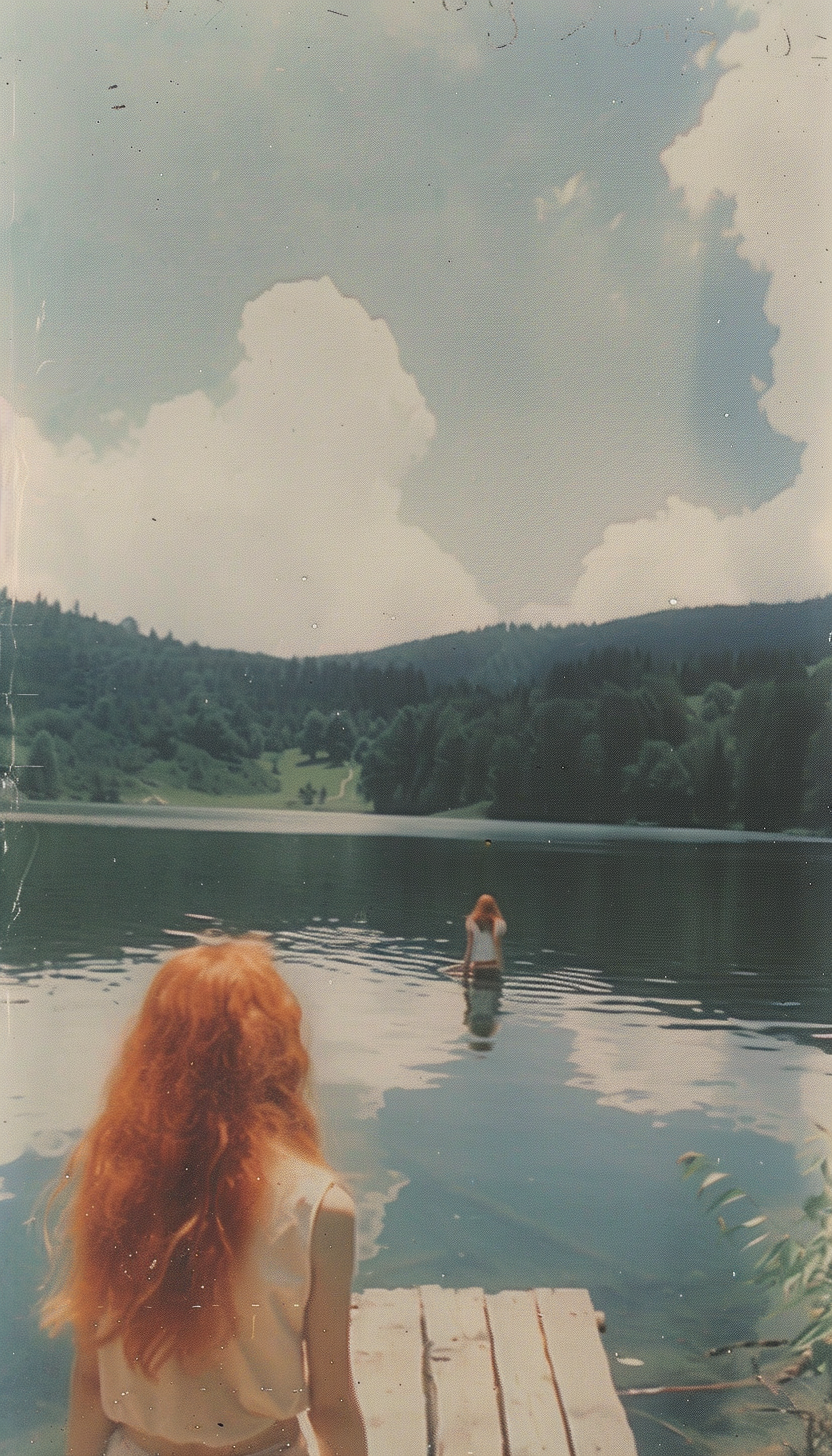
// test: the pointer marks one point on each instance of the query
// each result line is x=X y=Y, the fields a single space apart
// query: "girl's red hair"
x=164 y=1187
x=486 y=912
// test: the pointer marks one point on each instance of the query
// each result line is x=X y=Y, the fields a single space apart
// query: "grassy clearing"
x=294 y=773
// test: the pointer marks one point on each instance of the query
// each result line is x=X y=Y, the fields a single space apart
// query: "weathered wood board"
x=594 y=1414
x=387 y=1360
x=462 y=1385
x=532 y=1412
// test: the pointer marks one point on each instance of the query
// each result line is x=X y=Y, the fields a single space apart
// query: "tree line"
x=103 y=712
x=722 y=738
x=610 y=741
x=507 y=655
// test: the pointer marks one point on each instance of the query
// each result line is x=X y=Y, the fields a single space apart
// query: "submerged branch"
x=771 y=1382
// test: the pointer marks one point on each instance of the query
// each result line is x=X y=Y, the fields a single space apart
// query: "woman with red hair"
x=485 y=928
x=207 y=1249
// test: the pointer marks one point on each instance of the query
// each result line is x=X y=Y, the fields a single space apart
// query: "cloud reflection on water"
x=380 y=1017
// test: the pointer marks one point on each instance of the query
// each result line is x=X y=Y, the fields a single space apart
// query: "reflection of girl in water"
x=207 y=1246
x=485 y=928
x=482 y=1002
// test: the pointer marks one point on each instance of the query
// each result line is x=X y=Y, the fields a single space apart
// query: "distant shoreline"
x=234 y=819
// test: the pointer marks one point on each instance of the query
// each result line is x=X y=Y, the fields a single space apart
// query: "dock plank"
x=387 y=1360
x=595 y=1416
x=465 y=1412
x=533 y=1417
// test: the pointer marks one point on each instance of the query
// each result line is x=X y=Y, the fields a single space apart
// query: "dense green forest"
x=106 y=713
x=728 y=735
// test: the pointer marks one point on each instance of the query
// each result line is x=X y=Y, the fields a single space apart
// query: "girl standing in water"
x=207 y=1247
x=485 y=928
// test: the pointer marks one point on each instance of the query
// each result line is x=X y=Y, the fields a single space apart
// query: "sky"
x=330 y=327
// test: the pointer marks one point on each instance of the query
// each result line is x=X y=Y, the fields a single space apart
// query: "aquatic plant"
x=795 y=1263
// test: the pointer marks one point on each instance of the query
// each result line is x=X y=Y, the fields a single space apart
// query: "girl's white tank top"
x=483 y=947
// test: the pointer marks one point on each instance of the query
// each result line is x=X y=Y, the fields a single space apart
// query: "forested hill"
x=63 y=653
x=502 y=657
x=719 y=716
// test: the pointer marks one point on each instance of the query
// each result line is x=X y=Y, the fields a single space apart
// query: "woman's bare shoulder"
x=337 y=1200
x=333 y=1235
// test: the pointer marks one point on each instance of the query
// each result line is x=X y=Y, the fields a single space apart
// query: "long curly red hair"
x=486 y=912
x=164 y=1187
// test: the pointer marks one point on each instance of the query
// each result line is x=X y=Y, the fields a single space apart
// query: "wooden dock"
x=456 y=1372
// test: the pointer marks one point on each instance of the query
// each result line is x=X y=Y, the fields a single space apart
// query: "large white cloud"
x=269 y=522
x=757 y=142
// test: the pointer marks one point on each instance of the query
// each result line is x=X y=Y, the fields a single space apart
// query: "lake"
x=663 y=992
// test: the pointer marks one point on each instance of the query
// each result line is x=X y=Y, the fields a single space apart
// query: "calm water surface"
x=662 y=993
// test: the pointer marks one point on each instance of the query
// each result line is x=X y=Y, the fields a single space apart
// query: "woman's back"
x=257 y=1376
x=484 y=940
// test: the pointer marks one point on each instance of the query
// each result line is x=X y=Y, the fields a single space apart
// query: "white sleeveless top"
x=258 y=1378
x=483 y=946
